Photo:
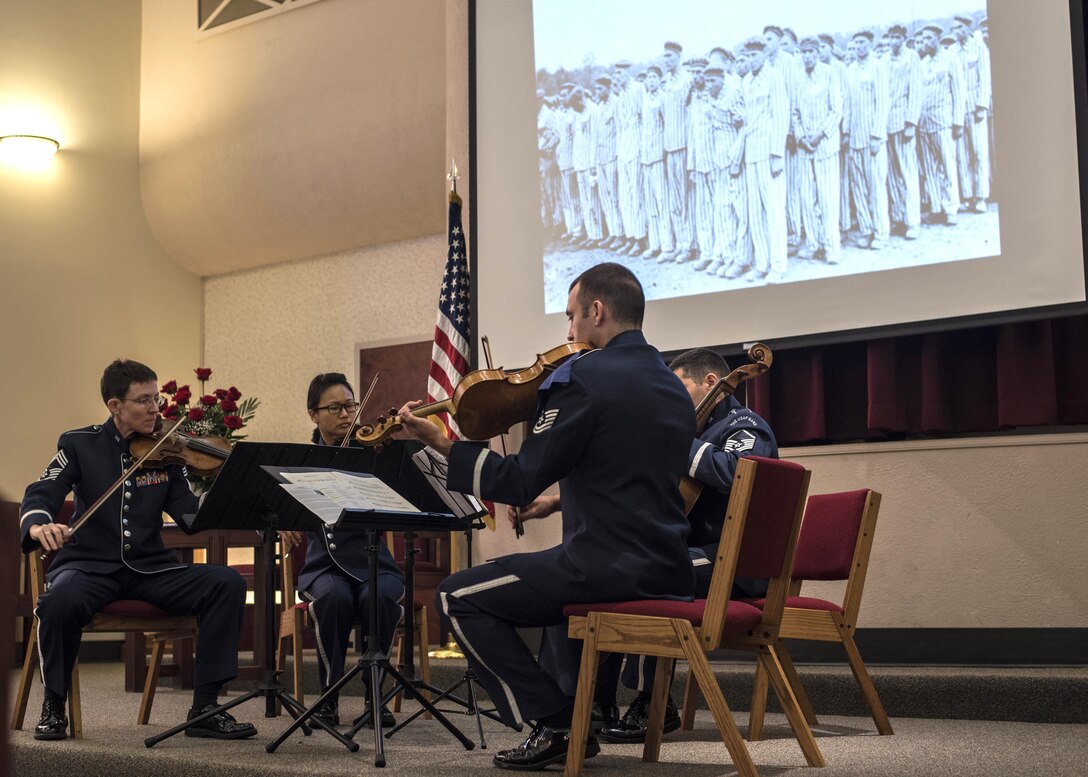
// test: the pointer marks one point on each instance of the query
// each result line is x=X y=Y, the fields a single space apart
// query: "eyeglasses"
x=147 y=402
x=336 y=408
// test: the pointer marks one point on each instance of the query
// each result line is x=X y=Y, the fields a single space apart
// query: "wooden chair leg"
x=296 y=657
x=759 y=704
x=151 y=682
x=75 y=710
x=801 y=731
x=424 y=646
x=26 y=678
x=655 y=720
x=865 y=683
x=687 y=707
x=583 y=698
x=795 y=682
x=712 y=692
x=398 y=646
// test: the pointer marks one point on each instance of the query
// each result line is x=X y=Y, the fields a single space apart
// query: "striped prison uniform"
x=818 y=111
x=568 y=186
x=702 y=171
x=790 y=67
x=943 y=109
x=904 y=110
x=652 y=155
x=551 y=211
x=731 y=240
x=973 y=146
x=767 y=109
x=865 y=118
x=584 y=157
x=628 y=113
x=605 y=131
x=675 y=91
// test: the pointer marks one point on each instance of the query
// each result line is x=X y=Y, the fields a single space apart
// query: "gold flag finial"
x=452 y=176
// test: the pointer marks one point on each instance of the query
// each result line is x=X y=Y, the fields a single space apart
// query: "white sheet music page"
x=326 y=494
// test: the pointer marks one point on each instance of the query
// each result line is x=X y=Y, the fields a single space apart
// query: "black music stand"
x=244 y=498
x=374 y=660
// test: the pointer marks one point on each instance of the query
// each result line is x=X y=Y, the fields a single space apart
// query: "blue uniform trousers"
x=214 y=594
x=339 y=602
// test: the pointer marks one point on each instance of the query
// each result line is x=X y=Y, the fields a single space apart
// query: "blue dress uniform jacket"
x=125 y=531
x=614 y=429
x=119 y=554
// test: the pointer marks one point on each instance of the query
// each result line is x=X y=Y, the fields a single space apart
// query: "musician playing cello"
x=614 y=428
x=335 y=577
x=119 y=553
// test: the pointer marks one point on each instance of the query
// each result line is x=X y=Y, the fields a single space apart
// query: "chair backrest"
x=759 y=536
x=836 y=540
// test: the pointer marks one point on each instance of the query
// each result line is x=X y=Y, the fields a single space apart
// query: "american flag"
x=449 y=355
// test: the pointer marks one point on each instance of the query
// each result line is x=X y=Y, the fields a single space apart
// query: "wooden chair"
x=835 y=542
x=123 y=615
x=295 y=620
x=758 y=540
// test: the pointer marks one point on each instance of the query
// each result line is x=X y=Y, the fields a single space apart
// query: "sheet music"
x=434 y=467
x=327 y=493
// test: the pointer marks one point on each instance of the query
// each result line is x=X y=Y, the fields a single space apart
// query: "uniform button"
x=128 y=547
x=128 y=495
x=329 y=535
x=332 y=546
x=128 y=534
x=124 y=509
x=124 y=521
x=128 y=484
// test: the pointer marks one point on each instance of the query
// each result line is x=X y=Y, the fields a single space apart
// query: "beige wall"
x=83 y=280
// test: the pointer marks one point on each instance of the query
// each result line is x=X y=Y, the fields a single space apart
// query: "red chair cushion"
x=802 y=603
x=131 y=608
x=739 y=617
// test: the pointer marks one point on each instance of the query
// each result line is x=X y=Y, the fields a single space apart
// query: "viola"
x=201 y=455
x=761 y=357
x=485 y=403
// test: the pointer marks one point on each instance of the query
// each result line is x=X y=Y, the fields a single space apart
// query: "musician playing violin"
x=732 y=432
x=336 y=574
x=614 y=428
x=119 y=553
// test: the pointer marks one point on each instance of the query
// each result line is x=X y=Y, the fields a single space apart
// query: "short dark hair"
x=322 y=382
x=697 y=363
x=615 y=286
x=122 y=373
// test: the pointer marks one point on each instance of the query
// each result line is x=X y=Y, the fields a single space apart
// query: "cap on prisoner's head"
x=773 y=29
x=654 y=69
x=964 y=20
x=754 y=44
x=623 y=64
x=671 y=45
x=809 y=44
x=864 y=34
x=712 y=71
x=604 y=79
x=898 y=30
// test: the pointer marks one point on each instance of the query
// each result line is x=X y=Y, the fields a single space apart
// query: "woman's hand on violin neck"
x=51 y=536
x=423 y=430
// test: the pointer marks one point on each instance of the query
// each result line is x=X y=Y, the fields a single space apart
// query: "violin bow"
x=359 y=411
x=519 y=528
x=73 y=528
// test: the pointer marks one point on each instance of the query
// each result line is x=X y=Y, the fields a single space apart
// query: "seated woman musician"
x=335 y=575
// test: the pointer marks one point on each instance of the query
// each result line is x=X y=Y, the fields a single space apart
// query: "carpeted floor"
x=113 y=745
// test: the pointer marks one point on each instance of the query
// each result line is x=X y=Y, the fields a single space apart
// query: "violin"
x=761 y=357
x=485 y=403
x=201 y=455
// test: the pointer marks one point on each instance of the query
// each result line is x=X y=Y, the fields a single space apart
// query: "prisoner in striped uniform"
x=584 y=158
x=606 y=161
x=941 y=124
x=628 y=111
x=547 y=138
x=974 y=145
x=767 y=121
x=701 y=164
x=676 y=84
x=904 y=112
x=780 y=58
x=730 y=206
x=568 y=185
x=736 y=251
x=817 y=116
x=652 y=154
x=865 y=127
x=828 y=58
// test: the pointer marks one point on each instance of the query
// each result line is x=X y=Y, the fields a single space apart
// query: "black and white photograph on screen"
x=712 y=146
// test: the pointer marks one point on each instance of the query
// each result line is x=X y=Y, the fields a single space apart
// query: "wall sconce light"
x=30 y=152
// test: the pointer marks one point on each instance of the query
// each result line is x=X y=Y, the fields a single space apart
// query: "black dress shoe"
x=543 y=747
x=632 y=727
x=328 y=712
x=221 y=725
x=388 y=721
x=604 y=716
x=53 y=724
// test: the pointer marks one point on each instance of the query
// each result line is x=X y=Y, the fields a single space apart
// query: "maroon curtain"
x=987 y=379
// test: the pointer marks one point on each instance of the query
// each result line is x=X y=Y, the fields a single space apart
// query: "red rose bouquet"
x=218 y=413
